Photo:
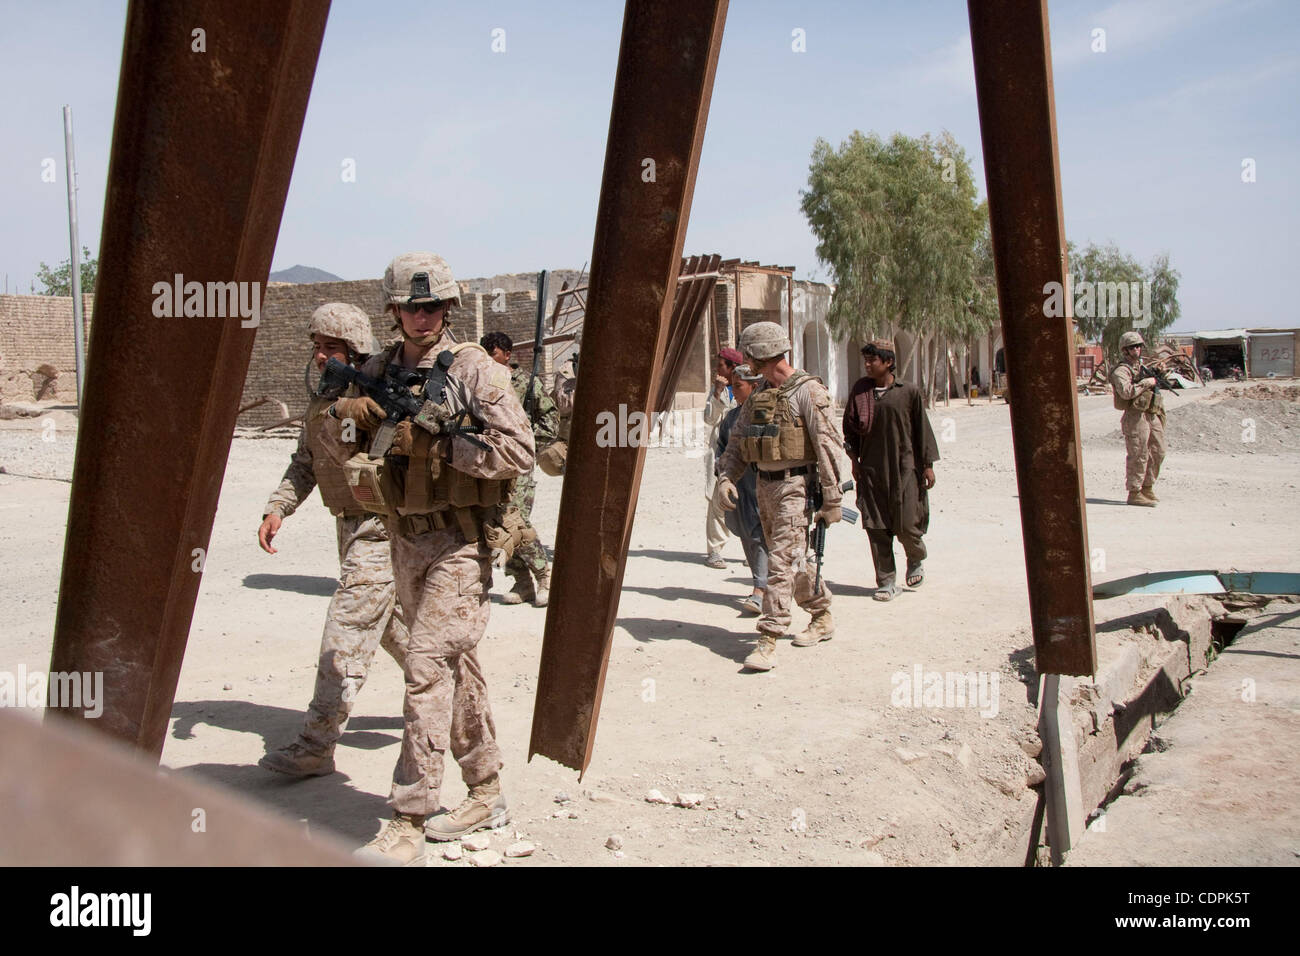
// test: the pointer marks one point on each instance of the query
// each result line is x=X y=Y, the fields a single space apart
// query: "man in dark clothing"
x=744 y=522
x=891 y=445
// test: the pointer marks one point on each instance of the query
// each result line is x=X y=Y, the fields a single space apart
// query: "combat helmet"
x=764 y=340
x=1130 y=338
x=419 y=277
x=340 y=320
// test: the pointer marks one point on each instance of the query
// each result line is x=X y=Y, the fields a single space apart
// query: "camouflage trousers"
x=791 y=570
x=444 y=581
x=1144 y=437
x=363 y=614
x=530 y=557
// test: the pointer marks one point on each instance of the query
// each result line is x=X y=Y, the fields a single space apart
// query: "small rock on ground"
x=521 y=849
x=476 y=841
x=485 y=858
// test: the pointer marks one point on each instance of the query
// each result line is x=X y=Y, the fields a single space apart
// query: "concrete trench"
x=1147 y=659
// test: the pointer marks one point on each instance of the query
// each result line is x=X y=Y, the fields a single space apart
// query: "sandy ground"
x=814 y=762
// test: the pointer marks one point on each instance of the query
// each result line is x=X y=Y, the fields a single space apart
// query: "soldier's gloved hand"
x=433 y=415
x=831 y=514
x=365 y=411
x=727 y=494
x=403 y=439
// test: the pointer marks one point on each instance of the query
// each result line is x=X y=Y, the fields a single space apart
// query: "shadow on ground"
x=730 y=644
x=329 y=801
x=299 y=583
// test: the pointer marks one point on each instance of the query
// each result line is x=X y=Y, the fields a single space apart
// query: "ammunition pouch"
x=775 y=432
x=551 y=459
x=374 y=484
x=1142 y=401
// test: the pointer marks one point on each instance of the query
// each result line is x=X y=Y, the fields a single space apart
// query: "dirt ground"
x=818 y=761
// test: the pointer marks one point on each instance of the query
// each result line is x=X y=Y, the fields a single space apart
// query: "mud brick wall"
x=282 y=350
x=36 y=330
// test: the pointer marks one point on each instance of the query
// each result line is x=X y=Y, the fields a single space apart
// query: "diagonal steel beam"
x=210 y=106
x=1013 y=82
x=667 y=59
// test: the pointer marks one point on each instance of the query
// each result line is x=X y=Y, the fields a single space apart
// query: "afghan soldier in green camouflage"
x=529 y=563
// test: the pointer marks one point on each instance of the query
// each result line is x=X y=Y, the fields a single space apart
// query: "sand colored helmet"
x=419 y=277
x=1130 y=338
x=764 y=340
x=339 y=320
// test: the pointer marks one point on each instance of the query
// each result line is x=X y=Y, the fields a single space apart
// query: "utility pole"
x=78 y=327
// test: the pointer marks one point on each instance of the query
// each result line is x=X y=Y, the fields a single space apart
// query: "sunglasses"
x=428 y=308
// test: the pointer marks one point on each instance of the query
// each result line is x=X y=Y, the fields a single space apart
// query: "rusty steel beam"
x=210 y=106
x=667 y=59
x=1013 y=81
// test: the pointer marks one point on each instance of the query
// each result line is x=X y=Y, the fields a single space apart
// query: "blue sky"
x=494 y=159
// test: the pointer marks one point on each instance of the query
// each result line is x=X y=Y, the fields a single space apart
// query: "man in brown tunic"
x=889 y=440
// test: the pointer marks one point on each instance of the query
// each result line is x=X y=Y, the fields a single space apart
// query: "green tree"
x=58 y=281
x=898 y=226
x=1104 y=281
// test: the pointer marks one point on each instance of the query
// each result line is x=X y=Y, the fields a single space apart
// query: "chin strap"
x=424 y=341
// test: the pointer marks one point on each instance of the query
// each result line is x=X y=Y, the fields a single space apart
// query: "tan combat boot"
x=298 y=760
x=1137 y=498
x=483 y=809
x=521 y=592
x=1150 y=492
x=543 y=588
x=400 y=843
x=763 y=657
x=820 y=628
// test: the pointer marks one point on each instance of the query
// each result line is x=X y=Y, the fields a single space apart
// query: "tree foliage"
x=1100 y=268
x=899 y=228
x=58 y=281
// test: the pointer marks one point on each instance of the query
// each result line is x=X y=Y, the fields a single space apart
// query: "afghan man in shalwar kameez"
x=889 y=440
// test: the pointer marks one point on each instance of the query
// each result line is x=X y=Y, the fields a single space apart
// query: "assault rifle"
x=1159 y=374
x=815 y=500
x=530 y=400
x=393 y=395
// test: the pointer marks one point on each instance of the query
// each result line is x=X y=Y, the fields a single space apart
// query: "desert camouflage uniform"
x=444 y=580
x=1144 y=430
x=783 y=506
x=531 y=557
x=363 y=613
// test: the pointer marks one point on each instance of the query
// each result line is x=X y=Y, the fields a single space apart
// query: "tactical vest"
x=1148 y=401
x=426 y=484
x=330 y=478
x=776 y=432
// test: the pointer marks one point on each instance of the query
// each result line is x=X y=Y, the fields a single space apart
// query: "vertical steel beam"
x=210 y=106
x=1013 y=82
x=667 y=59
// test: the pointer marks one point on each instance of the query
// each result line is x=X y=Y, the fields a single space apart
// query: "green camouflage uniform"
x=531 y=557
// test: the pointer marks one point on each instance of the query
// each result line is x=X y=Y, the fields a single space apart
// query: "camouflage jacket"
x=543 y=414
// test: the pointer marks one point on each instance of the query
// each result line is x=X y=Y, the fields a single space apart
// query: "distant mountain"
x=302 y=274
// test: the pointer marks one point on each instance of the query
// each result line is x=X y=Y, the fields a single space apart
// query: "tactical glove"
x=727 y=494
x=365 y=411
